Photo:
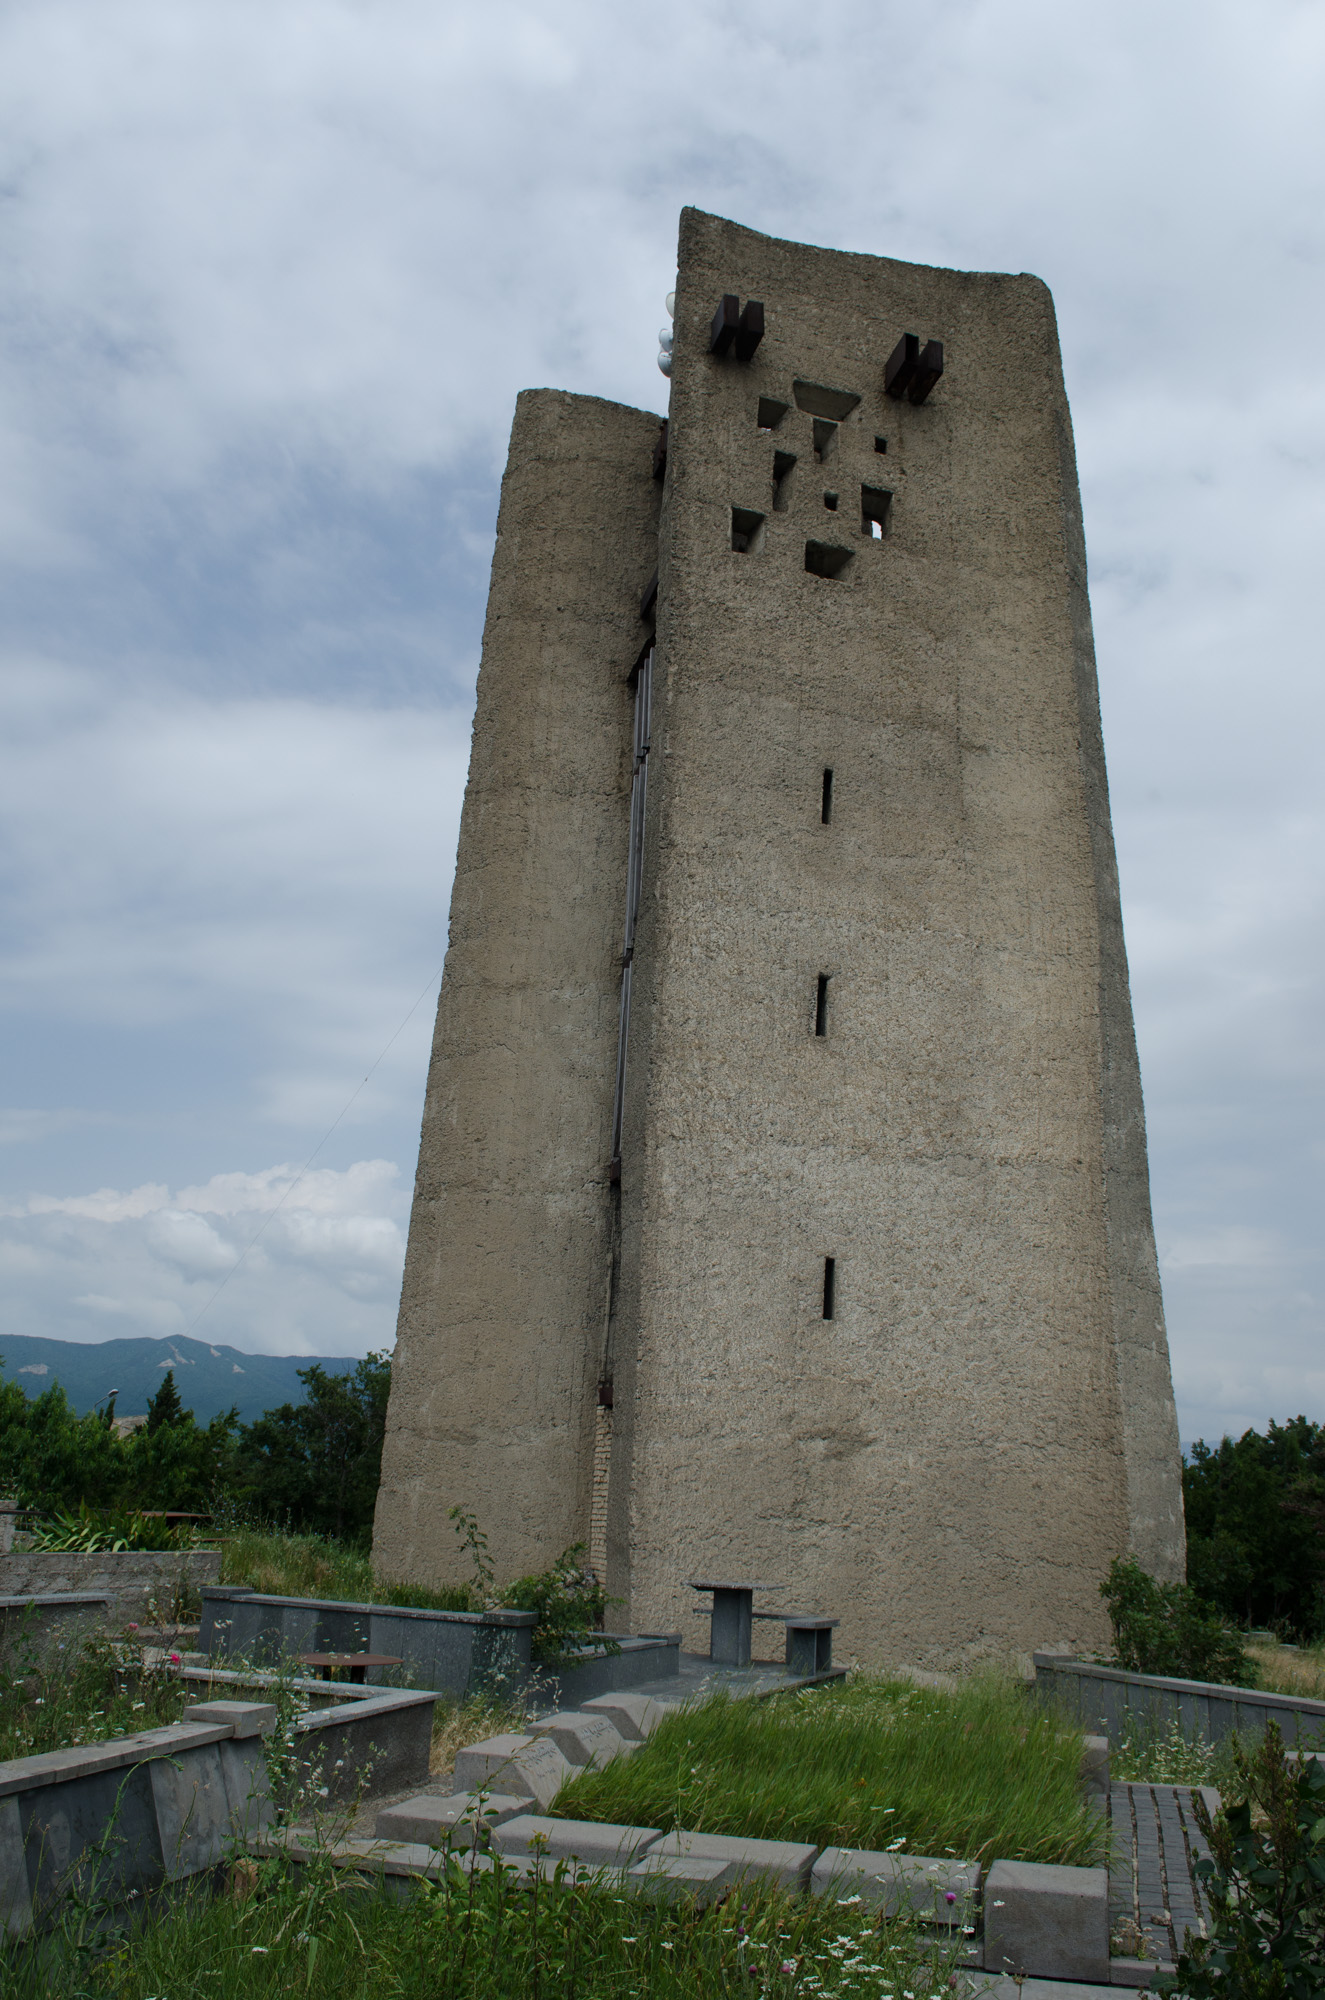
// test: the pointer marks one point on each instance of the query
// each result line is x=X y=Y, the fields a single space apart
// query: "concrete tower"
x=782 y=1205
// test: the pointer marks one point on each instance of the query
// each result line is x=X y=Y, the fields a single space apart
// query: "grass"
x=1291 y=1670
x=876 y=1764
x=274 y=1932
x=82 y=1691
x=282 y=1565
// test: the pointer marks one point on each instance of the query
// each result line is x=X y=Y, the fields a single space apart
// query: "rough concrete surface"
x=951 y=1461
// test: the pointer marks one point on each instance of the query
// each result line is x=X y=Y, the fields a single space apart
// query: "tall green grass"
x=274 y=1932
x=284 y=1565
x=876 y=1763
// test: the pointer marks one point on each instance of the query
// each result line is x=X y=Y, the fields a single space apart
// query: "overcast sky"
x=273 y=272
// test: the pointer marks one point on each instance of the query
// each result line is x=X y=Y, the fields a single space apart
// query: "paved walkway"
x=1152 y=1893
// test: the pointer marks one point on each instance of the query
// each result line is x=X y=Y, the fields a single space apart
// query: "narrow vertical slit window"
x=830 y=1287
x=821 y=1006
x=826 y=809
x=783 y=462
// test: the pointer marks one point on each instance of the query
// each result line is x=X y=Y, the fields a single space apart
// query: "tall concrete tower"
x=782 y=1205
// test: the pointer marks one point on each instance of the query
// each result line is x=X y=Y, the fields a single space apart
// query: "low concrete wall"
x=453 y=1652
x=1109 y=1701
x=140 y=1584
x=640 y=1660
x=108 y=1820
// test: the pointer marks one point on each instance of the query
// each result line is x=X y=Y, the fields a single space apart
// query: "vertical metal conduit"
x=634 y=877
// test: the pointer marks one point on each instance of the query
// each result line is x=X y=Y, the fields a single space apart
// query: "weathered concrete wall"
x=503 y=1307
x=141 y=1586
x=950 y=1462
x=953 y=1459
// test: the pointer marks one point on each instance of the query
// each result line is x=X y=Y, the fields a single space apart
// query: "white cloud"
x=264 y=1261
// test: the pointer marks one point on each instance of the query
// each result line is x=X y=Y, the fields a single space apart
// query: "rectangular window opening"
x=771 y=413
x=783 y=462
x=830 y=1287
x=880 y=444
x=830 y=502
x=826 y=810
x=821 y=1006
x=822 y=559
x=747 y=529
x=875 y=507
x=825 y=440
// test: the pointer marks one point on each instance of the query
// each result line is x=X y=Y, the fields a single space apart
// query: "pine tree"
x=165 y=1407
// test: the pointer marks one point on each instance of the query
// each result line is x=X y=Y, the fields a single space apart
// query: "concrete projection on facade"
x=836 y=1271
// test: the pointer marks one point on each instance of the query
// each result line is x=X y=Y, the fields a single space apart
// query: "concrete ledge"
x=371 y=1746
x=597 y=1843
x=433 y=1818
x=677 y=1875
x=1047 y=1922
x=785 y=1863
x=918 y=1884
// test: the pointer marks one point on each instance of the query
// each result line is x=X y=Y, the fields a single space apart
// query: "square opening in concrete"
x=875 y=507
x=747 y=529
x=880 y=444
x=771 y=413
x=825 y=440
x=822 y=559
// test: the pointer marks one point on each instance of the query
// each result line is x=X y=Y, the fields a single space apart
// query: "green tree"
x=1256 y=1526
x=317 y=1464
x=165 y=1407
x=51 y=1458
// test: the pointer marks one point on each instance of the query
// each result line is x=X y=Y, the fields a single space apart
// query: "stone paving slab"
x=1154 y=1899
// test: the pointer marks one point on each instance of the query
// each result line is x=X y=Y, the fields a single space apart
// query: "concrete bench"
x=809 y=1640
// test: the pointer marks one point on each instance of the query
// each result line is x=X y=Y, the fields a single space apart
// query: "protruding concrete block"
x=432 y=1819
x=598 y=1843
x=787 y=1863
x=1095 y=1764
x=1047 y=1922
x=633 y=1716
x=246 y=1718
x=935 y=1890
x=529 y=1764
x=675 y=1875
x=582 y=1739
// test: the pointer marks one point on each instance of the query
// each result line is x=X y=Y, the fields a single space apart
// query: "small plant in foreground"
x=1163 y=1628
x=1265 y=1882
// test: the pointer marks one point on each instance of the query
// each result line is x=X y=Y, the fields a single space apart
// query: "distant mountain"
x=209 y=1379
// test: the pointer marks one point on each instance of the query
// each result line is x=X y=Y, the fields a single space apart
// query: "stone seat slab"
x=633 y=1716
x=532 y=1765
x=917 y=1884
x=787 y=1863
x=598 y=1843
x=432 y=1818
x=581 y=1738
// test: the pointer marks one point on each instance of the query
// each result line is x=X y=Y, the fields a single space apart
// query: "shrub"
x=1163 y=1628
x=1264 y=1879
